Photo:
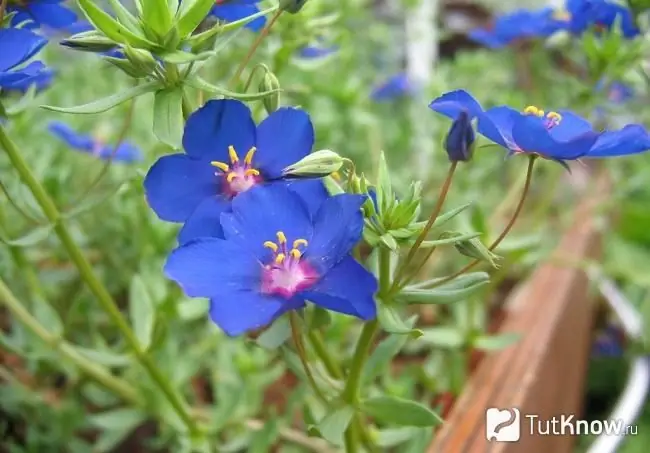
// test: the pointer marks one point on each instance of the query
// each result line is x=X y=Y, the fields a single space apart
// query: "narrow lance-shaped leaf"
x=142 y=311
x=381 y=357
x=168 y=116
x=401 y=412
x=156 y=16
x=107 y=103
x=440 y=295
x=191 y=14
x=391 y=321
x=112 y=28
x=334 y=424
x=200 y=84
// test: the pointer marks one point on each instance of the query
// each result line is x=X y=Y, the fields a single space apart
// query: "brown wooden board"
x=544 y=372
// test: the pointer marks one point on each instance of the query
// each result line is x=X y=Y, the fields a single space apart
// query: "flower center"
x=287 y=273
x=239 y=176
x=550 y=119
x=561 y=15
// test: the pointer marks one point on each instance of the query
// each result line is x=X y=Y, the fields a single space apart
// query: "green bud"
x=315 y=165
x=355 y=185
x=90 y=41
x=126 y=66
x=473 y=248
x=292 y=6
x=142 y=60
x=270 y=83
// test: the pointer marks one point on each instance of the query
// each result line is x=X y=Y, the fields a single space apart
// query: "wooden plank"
x=543 y=374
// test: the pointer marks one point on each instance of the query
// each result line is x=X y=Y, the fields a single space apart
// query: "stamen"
x=271 y=245
x=280 y=258
x=554 y=116
x=298 y=242
x=532 y=110
x=248 y=160
x=234 y=158
x=336 y=176
x=221 y=166
x=295 y=254
x=231 y=176
x=252 y=172
x=282 y=239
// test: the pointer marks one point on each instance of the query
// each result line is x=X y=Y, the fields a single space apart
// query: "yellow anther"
x=234 y=158
x=562 y=14
x=221 y=166
x=252 y=172
x=231 y=176
x=532 y=110
x=336 y=175
x=248 y=160
x=298 y=242
x=554 y=116
x=282 y=239
x=295 y=254
x=271 y=245
x=280 y=258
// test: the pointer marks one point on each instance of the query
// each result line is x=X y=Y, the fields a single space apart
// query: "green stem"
x=318 y=344
x=302 y=353
x=100 y=374
x=94 y=284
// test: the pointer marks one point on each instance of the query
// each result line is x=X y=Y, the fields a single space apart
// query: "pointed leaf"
x=180 y=57
x=156 y=16
x=442 y=336
x=441 y=295
x=112 y=28
x=401 y=412
x=142 y=311
x=31 y=238
x=106 y=358
x=496 y=342
x=334 y=424
x=168 y=116
x=447 y=216
x=380 y=359
x=391 y=322
x=276 y=335
x=109 y=102
x=200 y=84
x=125 y=17
x=191 y=14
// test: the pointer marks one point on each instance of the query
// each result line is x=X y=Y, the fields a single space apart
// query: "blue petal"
x=126 y=152
x=314 y=52
x=176 y=184
x=396 y=86
x=487 y=38
x=17 y=46
x=497 y=123
x=337 y=229
x=25 y=76
x=51 y=14
x=347 y=288
x=283 y=138
x=632 y=139
x=452 y=103
x=71 y=137
x=41 y=79
x=533 y=137
x=312 y=192
x=205 y=221
x=239 y=312
x=210 y=130
x=570 y=127
x=209 y=267
x=232 y=13
x=259 y=213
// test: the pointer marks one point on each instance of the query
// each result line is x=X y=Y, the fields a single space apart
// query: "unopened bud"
x=90 y=41
x=315 y=165
x=270 y=83
x=459 y=143
x=473 y=248
x=142 y=60
x=292 y=6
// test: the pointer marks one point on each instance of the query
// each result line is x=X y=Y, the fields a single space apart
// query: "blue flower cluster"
x=555 y=135
x=17 y=47
x=254 y=243
x=577 y=17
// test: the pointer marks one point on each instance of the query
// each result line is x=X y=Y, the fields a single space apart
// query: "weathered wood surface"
x=544 y=373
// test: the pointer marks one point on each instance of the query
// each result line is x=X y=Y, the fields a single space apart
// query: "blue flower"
x=126 y=152
x=632 y=139
x=619 y=93
x=234 y=10
x=49 y=13
x=461 y=108
x=519 y=24
x=396 y=86
x=609 y=343
x=276 y=257
x=314 y=52
x=599 y=14
x=225 y=154
x=17 y=46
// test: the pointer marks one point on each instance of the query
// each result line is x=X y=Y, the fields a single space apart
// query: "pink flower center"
x=288 y=273
x=238 y=176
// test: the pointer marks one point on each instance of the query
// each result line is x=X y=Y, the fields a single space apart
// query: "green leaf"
x=33 y=237
x=109 y=102
x=320 y=317
x=112 y=28
x=156 y=16
x=384 y=189
x=447 y=216
x=47 y=316
x=200 y=84
x=94 y=199
x=106 y=358
x=391 y=322
x=381 y=357
x=276 y=335
x=441 y=295
x=442 y=336
x=263 y=439
x=168 y=116
x=116 y=425
x=399 y=411
x=125 y=17
x=496 y=342
x=191 y=14
x=334 y=424
x=180 y=57
x=450 y=240
x=459 y=282
x=126 y=66
x=420 y=441
x=142 y=311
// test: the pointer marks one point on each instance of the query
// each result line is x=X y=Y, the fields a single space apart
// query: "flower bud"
x=473 y=248
x=292 y=6
x=459 y=143
x=269 y=83
x=315 y=165
x=142 y=60
x=90 y=41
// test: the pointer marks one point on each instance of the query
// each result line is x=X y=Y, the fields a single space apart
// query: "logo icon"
x=502 y=425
